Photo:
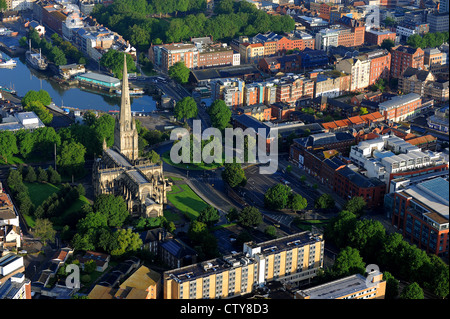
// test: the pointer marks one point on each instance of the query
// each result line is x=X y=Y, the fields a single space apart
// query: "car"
x=277 y=225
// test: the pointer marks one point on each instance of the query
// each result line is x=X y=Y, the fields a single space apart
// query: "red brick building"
x=401 y=107
x=380 y=65
x=421 y=213
x=376 y=37
x=348 y=184
x=404 y=57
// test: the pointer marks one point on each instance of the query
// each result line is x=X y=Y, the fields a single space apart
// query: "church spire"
x=125 y=105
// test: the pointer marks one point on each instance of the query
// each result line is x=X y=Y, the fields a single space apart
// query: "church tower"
x=125 y=133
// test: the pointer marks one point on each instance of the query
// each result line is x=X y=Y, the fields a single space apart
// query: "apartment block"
x=404 y=57
x=359 y=69
x=420 y=211
x=229 y=90
x=401 y=107
x=389 y=157
x=352 y=287
x=294 y=258
x=380 y=65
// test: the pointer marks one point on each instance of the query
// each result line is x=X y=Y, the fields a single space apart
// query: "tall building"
x=420 y=211
x=294 y=258
x=359 y=68
x=403 y=57
x=121 y=172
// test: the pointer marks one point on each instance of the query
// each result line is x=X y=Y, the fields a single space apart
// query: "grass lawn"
x=40 y=191
x=173 y=178
x=175 y=189
x=187 y=202
x=307 y=224
x=194 y=166
x=11 y=160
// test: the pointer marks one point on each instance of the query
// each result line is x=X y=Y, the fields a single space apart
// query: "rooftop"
x=339 y=288
x=399 y=100
x=433 y=193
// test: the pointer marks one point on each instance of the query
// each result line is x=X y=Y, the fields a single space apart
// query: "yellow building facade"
x=291 y=259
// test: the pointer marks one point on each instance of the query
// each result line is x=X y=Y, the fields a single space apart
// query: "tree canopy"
x=234 y=175
x=277 y=196
x=179 y=72
x=185 y=109
x=220 y=114
x=113 y=60
x=133 y=20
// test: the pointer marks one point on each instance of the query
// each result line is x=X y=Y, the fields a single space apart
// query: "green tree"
x=90 y=266
x=391 y=285
x=348 y=262
x=356 y=205
x=92 y=220
x=367 y=236
x=43 y=229
x=42 y=175
x=126 y=241
x=3 y=5
x=8 y=145
x=325 y=202
x=416 y=41
x=277 y=196
x=114 y=207
x=412 y=291
x=41 y=111
x=185 y=109
x=41 y=96
x=388 y=44
x=271 y=231
x=179 y=72
x=25 y=141
x=220 y=114
x=31 y=175
x=197 y=231
x=53 y=176
x=340 y=226
x=250 y=216
x=70 y=159
x=209 y=216
x=234 y=175
x=113 y=60
x=297 y=202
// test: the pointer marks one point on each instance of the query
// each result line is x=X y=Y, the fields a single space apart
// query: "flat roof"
x=338 y=288
x=99 y=77
x=433 y=193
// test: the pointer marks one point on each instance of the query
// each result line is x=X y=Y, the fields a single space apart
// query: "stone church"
x=121 y=172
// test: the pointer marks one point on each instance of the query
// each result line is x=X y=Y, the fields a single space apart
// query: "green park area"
x=183 y=198
x=40 y=192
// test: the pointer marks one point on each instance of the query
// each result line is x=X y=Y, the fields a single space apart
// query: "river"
x=23 y=78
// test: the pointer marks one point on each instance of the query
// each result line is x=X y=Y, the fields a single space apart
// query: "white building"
x=326 y=38
x=359 y=68
x=10 y=263
x=389 y=154
x=20 y=5
x=21 y=120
